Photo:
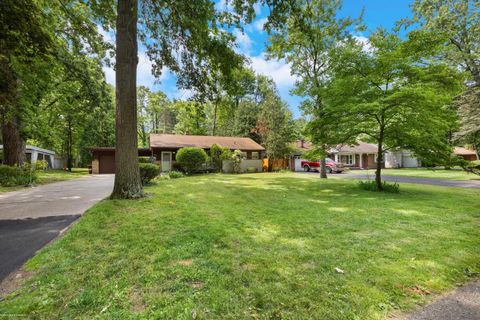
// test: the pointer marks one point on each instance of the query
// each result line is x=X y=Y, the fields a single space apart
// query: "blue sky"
x=251 y=43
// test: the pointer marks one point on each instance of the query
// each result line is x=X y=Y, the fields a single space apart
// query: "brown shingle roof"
x=360 y=147
x=204 y=142
x=463 y=151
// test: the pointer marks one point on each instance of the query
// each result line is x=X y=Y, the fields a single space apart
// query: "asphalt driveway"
x=31 y=218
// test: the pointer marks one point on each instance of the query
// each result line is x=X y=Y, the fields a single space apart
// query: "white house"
x=33 y=154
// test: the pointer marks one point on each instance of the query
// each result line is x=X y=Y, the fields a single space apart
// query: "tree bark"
x=378 y=171
x=323 y=169
x=127 y=174
x=13 y=143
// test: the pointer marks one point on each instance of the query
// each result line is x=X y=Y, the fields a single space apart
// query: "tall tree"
x=393 y=97
x=454 y=24
x=307 y=41
x=127 y=174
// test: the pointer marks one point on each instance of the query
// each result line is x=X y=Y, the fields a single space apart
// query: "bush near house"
x=191 y=159
x=218 y=154
x=148 y=172
x=16 y=176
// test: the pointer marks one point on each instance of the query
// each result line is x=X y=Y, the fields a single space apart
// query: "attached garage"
x=106 y=163
x=103 y=161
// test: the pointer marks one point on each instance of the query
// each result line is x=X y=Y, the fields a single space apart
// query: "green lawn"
x=50 y=176
x=257 y=246
x=452 y=174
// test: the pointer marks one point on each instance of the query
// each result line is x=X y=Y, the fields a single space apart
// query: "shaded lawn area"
x=50 y=176
x=452 y=174
x=257 y=246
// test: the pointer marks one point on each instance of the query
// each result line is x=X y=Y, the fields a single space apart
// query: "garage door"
x=107 y=164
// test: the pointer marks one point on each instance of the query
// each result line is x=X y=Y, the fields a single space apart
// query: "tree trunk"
x=127 y=174
x=214 y=118
x=13 y=143
x=323 y=169
x=69 y=146
x=378 y=172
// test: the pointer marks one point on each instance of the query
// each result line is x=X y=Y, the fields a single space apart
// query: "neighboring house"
x=467 y=154
x=163 y=147
x=33 y=154
x=360 y=156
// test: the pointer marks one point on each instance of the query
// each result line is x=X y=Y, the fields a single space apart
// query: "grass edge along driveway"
x=257 y=246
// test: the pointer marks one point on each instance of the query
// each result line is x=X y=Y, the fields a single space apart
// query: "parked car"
x=331 y=166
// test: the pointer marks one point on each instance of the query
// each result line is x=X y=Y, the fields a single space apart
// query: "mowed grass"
x=439 y=173
x=50 y=176
x=257 y=246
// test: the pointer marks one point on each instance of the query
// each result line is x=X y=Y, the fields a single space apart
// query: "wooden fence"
x=276 y=164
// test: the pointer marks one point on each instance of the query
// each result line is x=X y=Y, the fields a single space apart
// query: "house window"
x=255 y=156
x=348 y=159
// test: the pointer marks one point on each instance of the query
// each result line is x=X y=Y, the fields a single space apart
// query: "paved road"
x=437 y=182
x=56 y=199
x=461 y=304
x=31 y=218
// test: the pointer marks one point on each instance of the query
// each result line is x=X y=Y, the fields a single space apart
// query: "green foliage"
x=370 y=185
x=218 y=154
x=148 y=172
x=236 y=157
x=251 y=170
x=144 y=160
x=41 y=165
x=175 y=174
x=191 y=159
x=16 y=176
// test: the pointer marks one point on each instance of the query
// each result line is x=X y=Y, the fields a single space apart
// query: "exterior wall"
x=393 y=160
x=409 y=161
x=227 y=165
x=95 y=165
x=469 y=157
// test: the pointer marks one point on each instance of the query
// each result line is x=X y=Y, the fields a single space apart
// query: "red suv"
x=331 y=166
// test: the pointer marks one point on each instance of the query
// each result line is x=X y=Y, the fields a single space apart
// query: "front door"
x=166 y=161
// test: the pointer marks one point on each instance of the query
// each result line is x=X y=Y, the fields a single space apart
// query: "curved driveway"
x=31 y=218
x=70 y=197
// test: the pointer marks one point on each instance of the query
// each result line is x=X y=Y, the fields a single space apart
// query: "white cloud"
x=367 y=47
x=144 y=72
x=243 y=40
x=278 y=70
x=259 y=23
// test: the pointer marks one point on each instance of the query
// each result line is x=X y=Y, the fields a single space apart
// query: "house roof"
x=360 y=147
x=29 y=148
x=463 y=151
x=204 y=142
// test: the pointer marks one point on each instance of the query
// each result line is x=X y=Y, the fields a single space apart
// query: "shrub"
x=148 y=172
x=251 y=170
x=175 y=174
x=191 y=159
x=237 y=159
x=370 y=185
x=176 y=167
x=16 y=176
x=218 y=154
x=472 y=167
x=145 y=160
x=41 y=165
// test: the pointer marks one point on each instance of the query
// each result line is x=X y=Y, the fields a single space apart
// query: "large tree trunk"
x=127 y=174
x=13 y=143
